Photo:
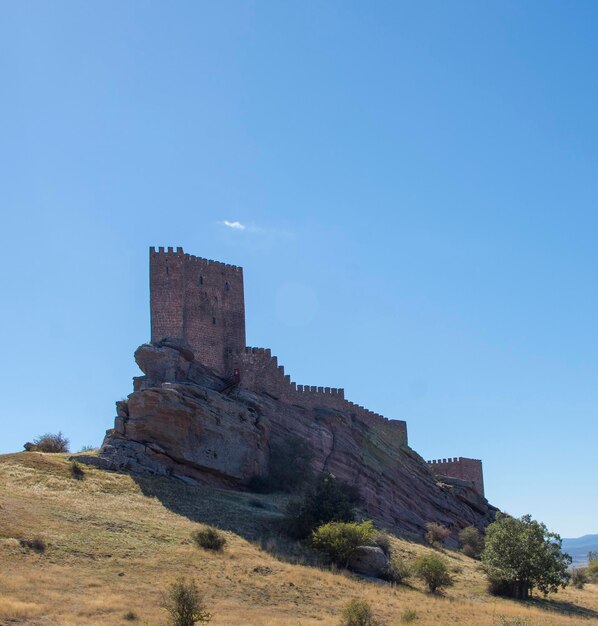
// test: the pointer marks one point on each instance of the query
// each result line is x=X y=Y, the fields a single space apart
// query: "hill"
x=115 y=542
x=579 y=547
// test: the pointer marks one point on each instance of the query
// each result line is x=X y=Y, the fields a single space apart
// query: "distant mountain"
x=579 y=547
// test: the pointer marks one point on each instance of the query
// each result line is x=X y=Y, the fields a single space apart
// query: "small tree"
x=473 y=542
x=184 y=604
x=358 y=613
x=521 y=555
x=340 y=541
x=436 y=533
x=433 y=570
x=289 y=467
x=329 y=500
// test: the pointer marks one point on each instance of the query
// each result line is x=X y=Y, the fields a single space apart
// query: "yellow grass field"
x=115 y=543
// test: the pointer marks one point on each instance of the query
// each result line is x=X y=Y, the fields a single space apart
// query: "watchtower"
x=200 y=301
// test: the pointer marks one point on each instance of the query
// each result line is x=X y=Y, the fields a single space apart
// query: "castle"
x=202 y=302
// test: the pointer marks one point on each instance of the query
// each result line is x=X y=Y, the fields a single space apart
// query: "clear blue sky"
x=423 y=174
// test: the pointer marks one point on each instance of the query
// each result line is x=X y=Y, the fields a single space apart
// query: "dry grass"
x=114 y=544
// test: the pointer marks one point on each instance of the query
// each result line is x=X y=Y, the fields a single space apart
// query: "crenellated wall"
x=260 y=371
x=462 y=468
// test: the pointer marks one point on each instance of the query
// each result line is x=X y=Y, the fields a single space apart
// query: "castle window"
x=200 y=281
x=226 y=286
x=213 y=320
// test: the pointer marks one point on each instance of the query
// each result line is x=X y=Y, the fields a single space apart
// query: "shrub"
x=76 y=471
x=579 y=577
x=408 y=615
x=433 y=570
x=184 y=604
x=87 y=448
x=358 y=613
x=51 y=443
x=592 y=568
x=398 y=570
x=383 y=542
x=209 y=539
x=329 y=500
x=472 y=541
x=289 y=467
x=37 y=544
x=521 y=555
x=436 y=533
x=340 y=541
x=130 y=616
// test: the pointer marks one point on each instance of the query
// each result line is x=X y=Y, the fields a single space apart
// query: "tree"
x=340 y=541
x=522 y=555
x=329 y=500
x=472 y=540
x=184 y=604
x=433 y=570
x=290 y=467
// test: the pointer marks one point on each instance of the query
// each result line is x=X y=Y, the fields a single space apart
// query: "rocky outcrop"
x=184 y=421
x=369 y=561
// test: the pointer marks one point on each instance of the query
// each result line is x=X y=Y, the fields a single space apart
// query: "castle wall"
x=260 y=371
x=461 y=467
x=200 y=301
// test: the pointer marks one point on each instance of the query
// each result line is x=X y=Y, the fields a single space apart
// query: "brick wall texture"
x=461 y=467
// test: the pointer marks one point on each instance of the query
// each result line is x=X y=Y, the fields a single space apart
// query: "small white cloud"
x=235 y=225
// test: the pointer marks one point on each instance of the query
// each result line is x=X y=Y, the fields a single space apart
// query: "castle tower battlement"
x=462 y=468
x=200 y=301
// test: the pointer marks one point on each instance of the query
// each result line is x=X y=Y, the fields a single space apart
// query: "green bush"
x=184 y=604
x=433 y=570
x=520 y=555
x=340 y=541
x=209 y=539
x=592 y=568
x=398 y=571
x=130 y=616
x=436 y=533
x=50 y=442
x=472 y=542
x=329 y=500
x=358 y=613
x=289 y=467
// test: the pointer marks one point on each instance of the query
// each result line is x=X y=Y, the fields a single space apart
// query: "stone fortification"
x=209 y=409
x=462 y=468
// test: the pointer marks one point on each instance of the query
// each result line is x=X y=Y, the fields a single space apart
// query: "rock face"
x=184 y=421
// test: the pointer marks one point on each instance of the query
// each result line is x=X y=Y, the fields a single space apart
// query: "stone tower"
x=200 y=301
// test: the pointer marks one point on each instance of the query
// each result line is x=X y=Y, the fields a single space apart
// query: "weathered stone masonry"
x=461 y=467
x=202 y=302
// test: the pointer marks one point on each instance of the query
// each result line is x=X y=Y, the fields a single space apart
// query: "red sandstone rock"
x=185 y=425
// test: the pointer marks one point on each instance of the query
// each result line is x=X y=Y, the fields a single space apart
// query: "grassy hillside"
x=115 y=543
